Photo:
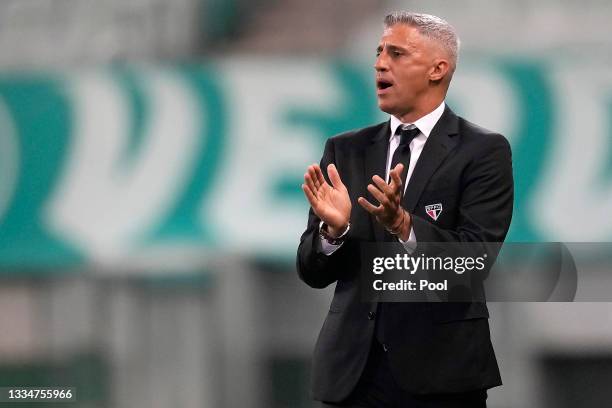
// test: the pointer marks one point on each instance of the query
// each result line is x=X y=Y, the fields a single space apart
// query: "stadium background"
x=151 y=154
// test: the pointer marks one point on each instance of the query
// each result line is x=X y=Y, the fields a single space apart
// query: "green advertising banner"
x=114 y=164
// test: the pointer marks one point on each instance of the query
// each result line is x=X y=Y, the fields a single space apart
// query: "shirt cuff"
x=410 y=244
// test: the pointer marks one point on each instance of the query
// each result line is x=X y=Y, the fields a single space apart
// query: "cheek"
x=408 y=88
x=413 y=81
x=409 y=77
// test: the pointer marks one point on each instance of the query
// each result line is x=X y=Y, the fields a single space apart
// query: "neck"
x=418 y=112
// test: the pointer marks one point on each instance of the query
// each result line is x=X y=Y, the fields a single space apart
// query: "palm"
x=331 y=203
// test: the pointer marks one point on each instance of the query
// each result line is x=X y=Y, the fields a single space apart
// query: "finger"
x=315 y=203
x=399 y=167
x=369 y=207
x=396 y=180
x=379 y=195
x=382 y=186
x=334 y=177
x=310 y=184
x=320 y=179
x=395 y=176
x=309 y=196
x=313 y=176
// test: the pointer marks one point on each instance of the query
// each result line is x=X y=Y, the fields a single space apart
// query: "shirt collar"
x=425 y=123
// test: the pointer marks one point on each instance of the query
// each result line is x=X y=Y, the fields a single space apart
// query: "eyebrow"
x=391 y=47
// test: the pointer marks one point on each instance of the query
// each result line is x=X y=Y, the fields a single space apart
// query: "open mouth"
x=383 y=84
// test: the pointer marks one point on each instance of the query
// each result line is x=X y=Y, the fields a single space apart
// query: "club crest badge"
x=434 y=210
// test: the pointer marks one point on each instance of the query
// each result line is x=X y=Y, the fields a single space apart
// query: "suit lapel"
x=439 y=144
x=375 y=163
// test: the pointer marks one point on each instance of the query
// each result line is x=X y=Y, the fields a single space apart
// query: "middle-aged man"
x=373 y=185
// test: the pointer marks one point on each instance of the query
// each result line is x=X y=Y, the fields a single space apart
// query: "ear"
x=439 y=69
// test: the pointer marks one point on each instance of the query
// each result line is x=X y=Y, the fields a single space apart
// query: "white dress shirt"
x=425 y=124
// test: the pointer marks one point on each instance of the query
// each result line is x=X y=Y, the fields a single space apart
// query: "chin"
x=385 y=107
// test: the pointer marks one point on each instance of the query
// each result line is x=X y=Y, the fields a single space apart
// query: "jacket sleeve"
x=314 y=267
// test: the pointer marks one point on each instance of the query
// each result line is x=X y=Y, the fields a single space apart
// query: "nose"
x=381 y=63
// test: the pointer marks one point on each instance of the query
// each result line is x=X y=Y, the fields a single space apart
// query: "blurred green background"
x=151 y=156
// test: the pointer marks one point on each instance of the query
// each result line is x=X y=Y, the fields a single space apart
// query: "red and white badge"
x=434 y=210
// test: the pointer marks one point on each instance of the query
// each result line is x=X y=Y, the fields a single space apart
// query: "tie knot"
x=406 y=134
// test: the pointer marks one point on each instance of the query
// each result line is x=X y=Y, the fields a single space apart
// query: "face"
x=406 y=65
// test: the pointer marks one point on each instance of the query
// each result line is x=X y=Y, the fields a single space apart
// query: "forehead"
x=402 y=35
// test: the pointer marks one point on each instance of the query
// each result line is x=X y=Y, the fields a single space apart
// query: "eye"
x=396 y=53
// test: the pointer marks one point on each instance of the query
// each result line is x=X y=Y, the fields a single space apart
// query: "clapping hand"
x=389 y=212
x=331 y=203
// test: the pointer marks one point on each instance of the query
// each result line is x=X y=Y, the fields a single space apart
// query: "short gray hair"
x=429 y=26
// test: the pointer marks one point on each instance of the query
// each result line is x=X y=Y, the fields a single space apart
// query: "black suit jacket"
x=433 y=347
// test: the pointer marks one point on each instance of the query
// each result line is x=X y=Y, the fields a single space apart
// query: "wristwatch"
x=324 y=234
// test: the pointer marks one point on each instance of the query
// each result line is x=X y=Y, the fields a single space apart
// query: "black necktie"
x=402 y=153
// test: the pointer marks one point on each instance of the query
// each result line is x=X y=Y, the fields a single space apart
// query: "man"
x=380 y=184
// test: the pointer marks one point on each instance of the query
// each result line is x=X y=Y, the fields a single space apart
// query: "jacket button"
x=371 y=315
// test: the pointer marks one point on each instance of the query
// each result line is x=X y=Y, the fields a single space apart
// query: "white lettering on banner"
x=485 y=97
x=9 y=158
x=573 y=199
x=264 y=146
x=102 y=206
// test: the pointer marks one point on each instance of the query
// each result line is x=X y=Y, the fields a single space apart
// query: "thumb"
x=334 y=177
